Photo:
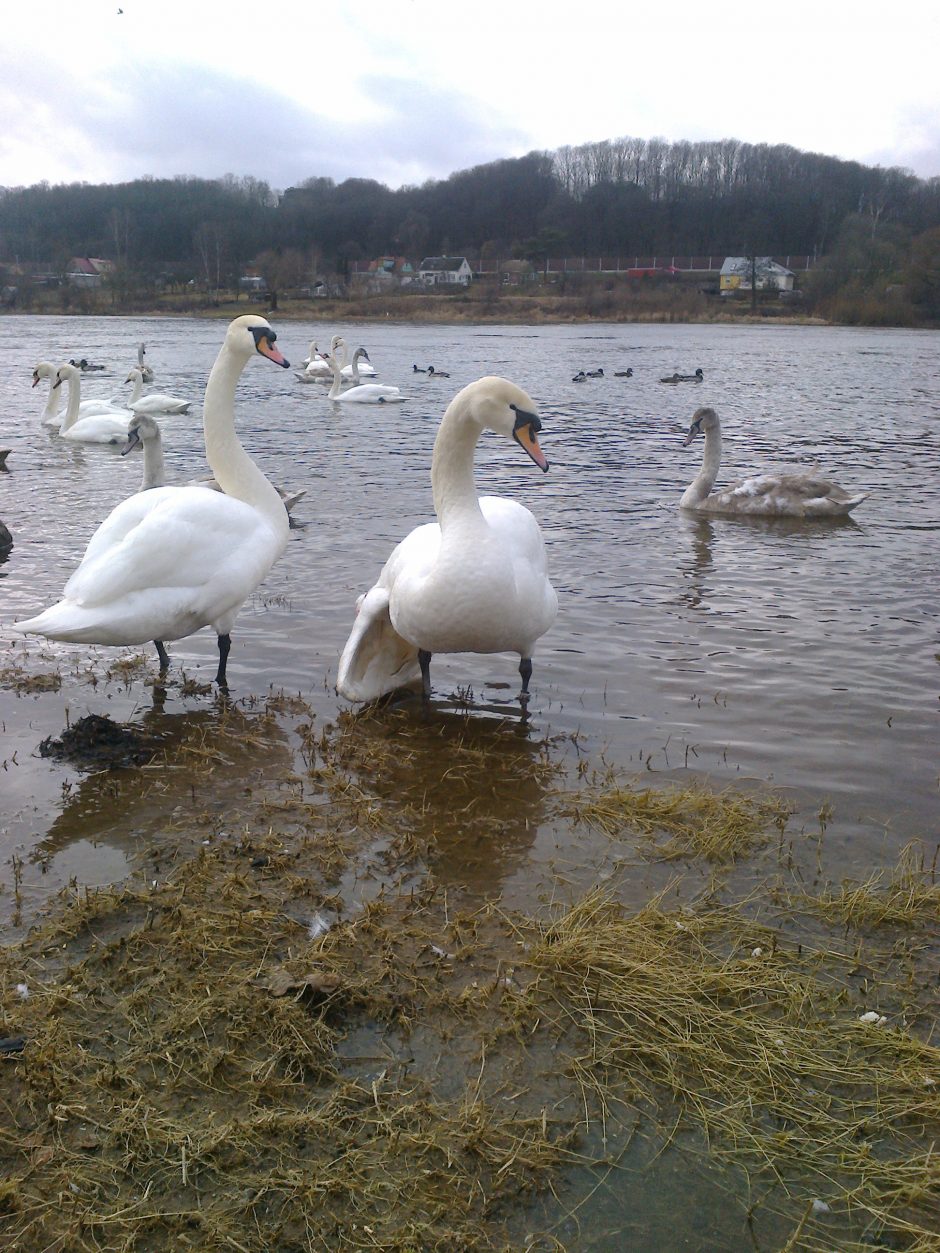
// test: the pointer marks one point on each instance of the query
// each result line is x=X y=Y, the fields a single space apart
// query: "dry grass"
x=209 y=1065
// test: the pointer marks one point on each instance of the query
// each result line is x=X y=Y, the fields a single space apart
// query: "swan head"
x=499 y=405
x=703 y=421
x=140 y=430
x=252 y=333
x=135 y=374
x=43 y=370
x=65 y=374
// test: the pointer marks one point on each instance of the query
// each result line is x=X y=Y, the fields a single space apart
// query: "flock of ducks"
x=170 y=560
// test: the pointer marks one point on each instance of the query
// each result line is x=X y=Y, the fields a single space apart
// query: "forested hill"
x=621 y=196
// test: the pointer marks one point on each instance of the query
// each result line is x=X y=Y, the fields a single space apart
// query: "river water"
x=804 y=654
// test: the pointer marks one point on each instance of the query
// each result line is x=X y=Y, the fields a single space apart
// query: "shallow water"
x=801 y=653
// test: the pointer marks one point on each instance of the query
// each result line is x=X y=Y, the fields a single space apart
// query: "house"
x=436 y=270
x=88 y=271
x=735 y=275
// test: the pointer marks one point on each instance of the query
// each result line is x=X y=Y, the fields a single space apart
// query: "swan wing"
x=376 y=660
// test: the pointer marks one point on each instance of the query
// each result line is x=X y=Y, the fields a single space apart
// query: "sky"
x=408 y=90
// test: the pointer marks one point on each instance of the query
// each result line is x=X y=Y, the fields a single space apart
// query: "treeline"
x=622 y=197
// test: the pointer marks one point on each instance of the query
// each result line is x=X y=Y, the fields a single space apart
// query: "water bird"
x=169 y=561
x=85 y=365
x=146 y=372
x=106 y=425
x=697 y=377
x=476 y=580
x=768 y=495
x=153 y=402
x=417 y=369
x=51 y=414
x=438 y=374
x=624 y=374
x=595 y=374
x=361 y=393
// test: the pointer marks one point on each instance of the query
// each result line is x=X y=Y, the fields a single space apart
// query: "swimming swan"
x=770 y=495
x=106 y=425
x=166 y=562
x=51 y=415
x=316 y=367
x=154 y=402
x=474 y=581
x=361 y=393
x=340 y=350
x=143 y=432
x=146 y=372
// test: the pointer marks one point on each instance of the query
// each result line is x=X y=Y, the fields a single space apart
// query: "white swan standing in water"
x=154 y=402
x=105 y=426
x=52 y=414
x=768 y=495
x=168 y=561
x=474 y=581
x=143 y=432
x=361 y=393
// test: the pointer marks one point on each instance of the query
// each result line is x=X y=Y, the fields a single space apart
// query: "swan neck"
x=154 y=467
x=234 y=470
x=704 y=481
x=71 y=409
x=137 y=390
x=455 y=493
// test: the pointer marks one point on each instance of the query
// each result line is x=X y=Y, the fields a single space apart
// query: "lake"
x=795 y=655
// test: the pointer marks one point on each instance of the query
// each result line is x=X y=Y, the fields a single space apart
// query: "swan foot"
x=225 y=644
x=424 y=661
x=163 y=655
x=525 y=669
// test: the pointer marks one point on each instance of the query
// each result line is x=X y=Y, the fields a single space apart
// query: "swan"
x=474 y=581
x=51 y=415
x=143 y=432
x=316 y=367
x=770 y=495
x=361 y=393
x=168 y=561
x=697 y=377
x=340 y=351
x=146 y=372
x=109 y=426
x=153 y=402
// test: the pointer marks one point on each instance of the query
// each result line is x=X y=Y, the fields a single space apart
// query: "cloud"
x=164 y=121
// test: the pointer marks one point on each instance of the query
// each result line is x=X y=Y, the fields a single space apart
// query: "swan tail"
x=376 y=659
x=853 y=501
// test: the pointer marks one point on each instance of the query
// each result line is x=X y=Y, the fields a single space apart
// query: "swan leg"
x=163 y=655
x=424 y=661
x=225 y=644
x=525 y=669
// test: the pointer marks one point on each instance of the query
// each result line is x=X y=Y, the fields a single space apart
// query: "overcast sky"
x=406 y=90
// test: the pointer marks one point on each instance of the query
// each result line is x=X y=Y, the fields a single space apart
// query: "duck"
x=624 y=374
x=361 y=393
x=106 y=426
x=417 y=369
x=146 y=372
x=85 y=365
x=437 y=374
x=143 y=431
x=154 y=402
x=767 y=495
x=697 y=377
x=171 y=560
x=596 y=374
x=580 y=377
x=52 y=413
x=476 y=580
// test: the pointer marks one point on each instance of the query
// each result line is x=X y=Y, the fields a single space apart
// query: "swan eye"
x=524 y=418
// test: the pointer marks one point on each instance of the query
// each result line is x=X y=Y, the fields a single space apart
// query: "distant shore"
x=494 y=306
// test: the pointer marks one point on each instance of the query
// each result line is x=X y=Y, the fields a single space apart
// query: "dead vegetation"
x=304 y=1024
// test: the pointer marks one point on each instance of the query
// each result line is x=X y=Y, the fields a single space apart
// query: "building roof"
x=763 y=266
x=442 y=263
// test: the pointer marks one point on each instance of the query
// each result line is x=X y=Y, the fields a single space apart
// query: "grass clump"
x=684 y=822
x=761 y=1049
x=908 y=897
